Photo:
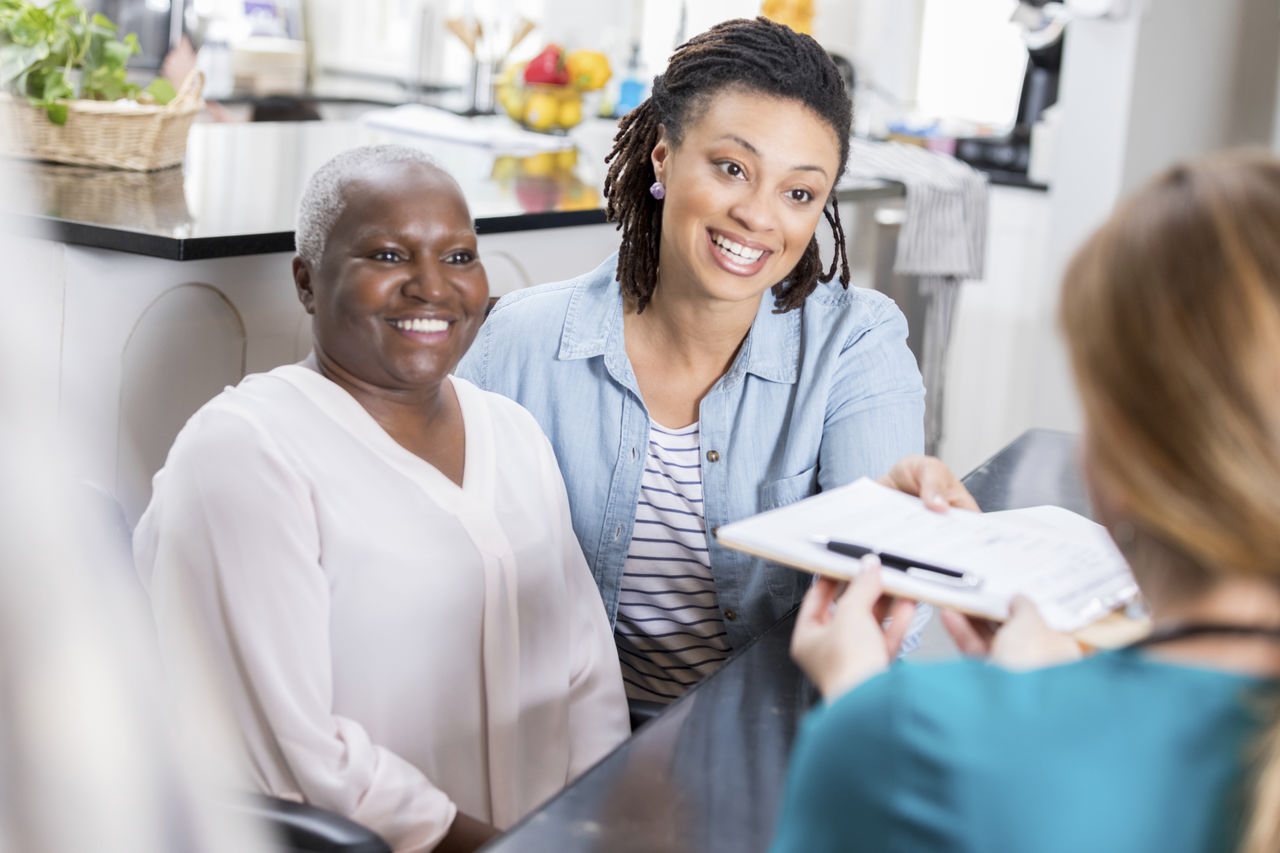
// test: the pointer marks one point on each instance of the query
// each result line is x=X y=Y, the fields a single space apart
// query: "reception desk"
x=707 y=774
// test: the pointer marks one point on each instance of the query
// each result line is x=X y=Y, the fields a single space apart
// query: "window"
x=972 y=58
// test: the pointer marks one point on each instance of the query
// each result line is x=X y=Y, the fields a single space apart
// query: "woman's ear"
x=661 y=151
x=302 y=282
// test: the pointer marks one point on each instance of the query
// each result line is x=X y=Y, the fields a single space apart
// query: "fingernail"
x=937 y=500
x=870 y=561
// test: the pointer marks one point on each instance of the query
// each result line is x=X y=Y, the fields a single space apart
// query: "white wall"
x=998 y=323
x=881 y=38
x=1172 y=79
x=972 y=58
x=1185 y=105
x=1095 y=94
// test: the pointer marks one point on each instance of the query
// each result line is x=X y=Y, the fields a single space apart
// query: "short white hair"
x=325 y=195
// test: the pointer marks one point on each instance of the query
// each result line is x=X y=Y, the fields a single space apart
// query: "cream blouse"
x=396 y=647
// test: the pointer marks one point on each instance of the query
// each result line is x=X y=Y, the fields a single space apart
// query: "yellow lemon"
x=588 y=69
x=570 y=113
x=541 y=111
x=512 y=99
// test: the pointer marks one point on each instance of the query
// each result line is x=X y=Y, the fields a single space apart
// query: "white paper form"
x=1062 y=561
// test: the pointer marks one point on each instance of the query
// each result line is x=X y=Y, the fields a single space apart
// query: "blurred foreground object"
x=89 y=756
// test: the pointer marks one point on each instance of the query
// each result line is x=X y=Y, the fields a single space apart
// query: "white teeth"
x=422 y=324
x=743 y=253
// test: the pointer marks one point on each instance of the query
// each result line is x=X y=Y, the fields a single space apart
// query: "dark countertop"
x=1004 y=178
x=708 y=773
x=1041 y=467
x=235 y=194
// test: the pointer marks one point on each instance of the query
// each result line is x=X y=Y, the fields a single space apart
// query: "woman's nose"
x=753 y=210
x=426 y=282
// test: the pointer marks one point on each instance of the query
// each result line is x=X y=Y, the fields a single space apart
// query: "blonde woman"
x=1172 y=317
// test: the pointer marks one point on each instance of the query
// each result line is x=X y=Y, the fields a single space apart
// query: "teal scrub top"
x=1116 y=752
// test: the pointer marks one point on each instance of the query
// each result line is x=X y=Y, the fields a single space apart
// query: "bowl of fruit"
x=545 y=93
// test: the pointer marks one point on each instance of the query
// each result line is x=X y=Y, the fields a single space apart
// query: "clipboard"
x=1064 y=562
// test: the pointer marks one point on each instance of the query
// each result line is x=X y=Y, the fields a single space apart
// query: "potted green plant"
x=67 y=97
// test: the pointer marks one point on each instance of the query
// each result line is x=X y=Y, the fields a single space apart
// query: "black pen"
x=902 y=564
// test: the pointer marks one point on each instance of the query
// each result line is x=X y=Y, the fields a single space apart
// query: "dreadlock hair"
x=752 y=55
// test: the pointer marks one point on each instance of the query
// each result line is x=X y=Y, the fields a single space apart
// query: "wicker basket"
x=102 y=133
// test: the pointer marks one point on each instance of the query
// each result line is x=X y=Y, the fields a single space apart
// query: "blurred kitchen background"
x=1063 y=106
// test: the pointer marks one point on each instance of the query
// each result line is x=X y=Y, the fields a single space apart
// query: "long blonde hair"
x=1172 y=316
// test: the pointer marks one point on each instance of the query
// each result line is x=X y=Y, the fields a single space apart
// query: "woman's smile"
x=737 y=255
x=427 y=330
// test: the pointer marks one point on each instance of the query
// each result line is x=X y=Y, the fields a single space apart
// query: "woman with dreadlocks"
x=710 y=369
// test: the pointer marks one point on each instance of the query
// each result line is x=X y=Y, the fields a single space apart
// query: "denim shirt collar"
x=593 y=327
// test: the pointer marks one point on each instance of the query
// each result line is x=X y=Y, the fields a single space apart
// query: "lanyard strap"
x=1178 y=632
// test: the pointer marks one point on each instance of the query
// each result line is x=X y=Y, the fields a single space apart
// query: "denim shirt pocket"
x=786 y=585
x=788 y=490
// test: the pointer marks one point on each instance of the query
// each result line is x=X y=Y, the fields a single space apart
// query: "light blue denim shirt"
x=816 y=398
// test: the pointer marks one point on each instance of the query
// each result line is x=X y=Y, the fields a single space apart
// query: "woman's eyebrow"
x=382 y=232
x=367 y=232
x=803 y=167
x=744 y=143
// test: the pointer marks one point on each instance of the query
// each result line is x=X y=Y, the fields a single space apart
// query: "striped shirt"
x=668 y=629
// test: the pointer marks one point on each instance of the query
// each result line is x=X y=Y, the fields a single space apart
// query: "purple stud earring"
x=658 y=191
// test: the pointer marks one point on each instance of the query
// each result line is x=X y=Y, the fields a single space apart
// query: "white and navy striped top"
x=668 y=628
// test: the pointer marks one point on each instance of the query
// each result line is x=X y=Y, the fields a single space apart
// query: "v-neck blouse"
x=397 y=647
x=346 y=410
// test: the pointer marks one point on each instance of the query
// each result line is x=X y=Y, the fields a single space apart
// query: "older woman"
x=381 y=553
x=708 y=371
x=1172 y=318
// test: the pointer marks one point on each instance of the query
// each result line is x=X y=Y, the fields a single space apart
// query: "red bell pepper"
x=547 y=67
